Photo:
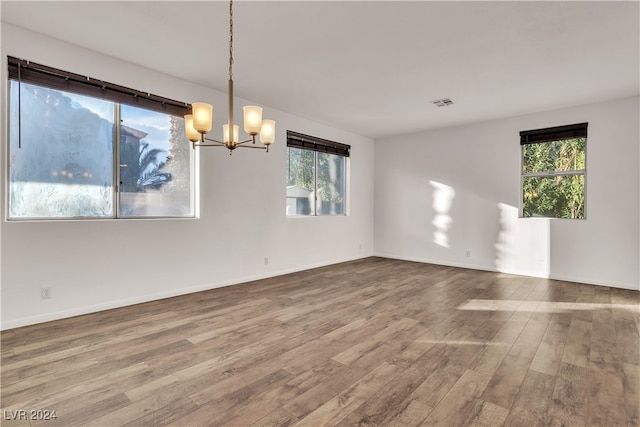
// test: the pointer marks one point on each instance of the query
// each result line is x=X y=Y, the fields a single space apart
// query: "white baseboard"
x=78 y=311
x=587 y=281
x=436 y=262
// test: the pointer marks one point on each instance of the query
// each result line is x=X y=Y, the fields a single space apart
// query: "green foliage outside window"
x=328 y=180
x=553 y=179
x=301 y=168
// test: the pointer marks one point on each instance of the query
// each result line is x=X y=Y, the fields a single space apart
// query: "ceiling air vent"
x=444 y=102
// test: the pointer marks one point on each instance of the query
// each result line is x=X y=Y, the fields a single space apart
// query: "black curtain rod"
x=31 y=72
x=308 y=142
x=578 y=130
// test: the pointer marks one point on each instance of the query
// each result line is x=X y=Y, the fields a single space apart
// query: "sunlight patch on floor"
x=460 y=342
x=541 y=306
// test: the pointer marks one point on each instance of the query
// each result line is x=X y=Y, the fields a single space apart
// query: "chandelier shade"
x=252 y=119
x=226 y=134
x=192 y=133
x=200 y=121
x=202 y=117
x=268 y=132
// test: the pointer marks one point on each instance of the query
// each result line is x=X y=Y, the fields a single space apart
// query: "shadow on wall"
x=443 y=196
x=523 y=245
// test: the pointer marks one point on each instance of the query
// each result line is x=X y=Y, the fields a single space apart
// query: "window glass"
x=300 y=181
x=64 y=160
x=330 y=184
x=60 y=154
x=564 y=155
x=553 y=179
x=554 y=197
x=316 y=182
x=155 y=164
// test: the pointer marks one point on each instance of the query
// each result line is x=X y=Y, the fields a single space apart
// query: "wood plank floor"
x=369 y=342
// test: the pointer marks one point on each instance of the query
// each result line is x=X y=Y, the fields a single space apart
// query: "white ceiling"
x=370 y=67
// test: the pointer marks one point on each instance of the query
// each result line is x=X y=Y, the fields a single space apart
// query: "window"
x=71 y=139
x=316 y=175
x=554 y=172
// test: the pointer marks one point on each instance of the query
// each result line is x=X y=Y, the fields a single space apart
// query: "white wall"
x=441 y=193
x=94 y=265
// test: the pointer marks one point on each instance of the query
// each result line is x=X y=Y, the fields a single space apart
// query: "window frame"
x=549 y=135
x=317 y=145
x=23 y=71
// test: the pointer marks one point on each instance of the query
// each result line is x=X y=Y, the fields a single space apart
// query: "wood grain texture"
x=369 y=342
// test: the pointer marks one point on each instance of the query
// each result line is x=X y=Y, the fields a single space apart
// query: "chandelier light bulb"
x=252 y=119
x=225 y=133
x=268 y=132
x=192 y=134
x=202 y=117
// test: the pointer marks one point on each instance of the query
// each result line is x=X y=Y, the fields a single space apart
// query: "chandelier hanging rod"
x=199 y=123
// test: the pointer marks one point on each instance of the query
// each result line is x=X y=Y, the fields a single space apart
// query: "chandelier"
x=200 y=121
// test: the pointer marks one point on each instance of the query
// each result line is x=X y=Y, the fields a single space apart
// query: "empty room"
x=320 y=213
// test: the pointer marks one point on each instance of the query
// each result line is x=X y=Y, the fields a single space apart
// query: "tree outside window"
x=554 y=174
x=316 y=176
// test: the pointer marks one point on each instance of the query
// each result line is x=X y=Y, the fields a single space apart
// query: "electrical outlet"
x=45 y=293
x=468 y=254
x=266 y=261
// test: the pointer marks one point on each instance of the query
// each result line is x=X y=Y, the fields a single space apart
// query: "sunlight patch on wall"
x=523 y=246
x=442 y=200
